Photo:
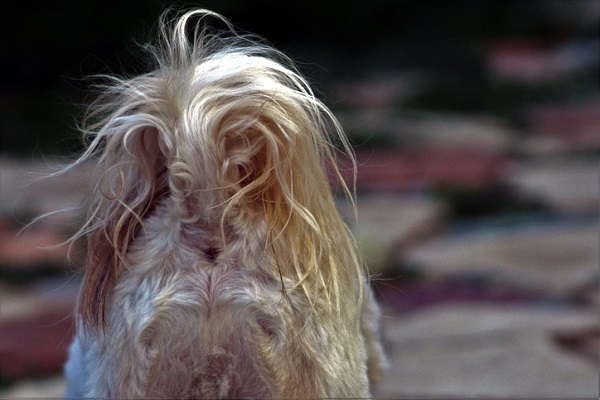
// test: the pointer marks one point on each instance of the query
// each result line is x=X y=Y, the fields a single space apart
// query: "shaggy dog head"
x=229 y=134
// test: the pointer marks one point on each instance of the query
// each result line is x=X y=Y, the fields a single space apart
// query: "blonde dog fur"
x=218 y=266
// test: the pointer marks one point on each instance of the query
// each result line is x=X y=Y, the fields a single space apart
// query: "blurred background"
x=477 y=130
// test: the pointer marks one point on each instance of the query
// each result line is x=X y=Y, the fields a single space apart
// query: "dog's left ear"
x=274 y=142
x=257 y=163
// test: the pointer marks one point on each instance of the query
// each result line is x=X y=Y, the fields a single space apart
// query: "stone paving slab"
x=26 y=192
x=482 y=132
x=560 y=128
x=26 y=189
x=425 y=129
x=36 y=327
x=376 y=93
x=557 y=258
x=387 y=223
x=472 y=319
x=393 y=170
x=31 y=248
x=18 y=302
x=466 y=351
x=404 y=293
x=36 y=345
x=565 y=185
x=53 y=388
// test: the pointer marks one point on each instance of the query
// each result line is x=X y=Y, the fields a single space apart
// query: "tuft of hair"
x=230 y=132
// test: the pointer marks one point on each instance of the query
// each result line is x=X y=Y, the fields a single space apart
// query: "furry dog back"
x=218 y=266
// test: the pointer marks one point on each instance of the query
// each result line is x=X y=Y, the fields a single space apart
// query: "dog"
x=217 y=264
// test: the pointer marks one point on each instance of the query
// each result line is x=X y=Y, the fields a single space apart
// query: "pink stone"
x=383 y=169
x=30 y=247
x=36 y=345
x=571 y=126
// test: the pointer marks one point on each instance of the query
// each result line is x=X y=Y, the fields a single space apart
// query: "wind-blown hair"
x=228 y=131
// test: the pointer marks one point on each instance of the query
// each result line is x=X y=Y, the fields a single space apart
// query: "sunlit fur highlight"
x=226 y=144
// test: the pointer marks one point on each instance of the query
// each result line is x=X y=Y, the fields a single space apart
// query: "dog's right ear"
x=132 y=169
x=150 y=154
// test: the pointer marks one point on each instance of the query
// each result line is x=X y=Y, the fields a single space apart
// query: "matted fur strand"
x=214 y=200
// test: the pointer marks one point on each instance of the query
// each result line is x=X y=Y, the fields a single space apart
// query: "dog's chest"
x=191 y=323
